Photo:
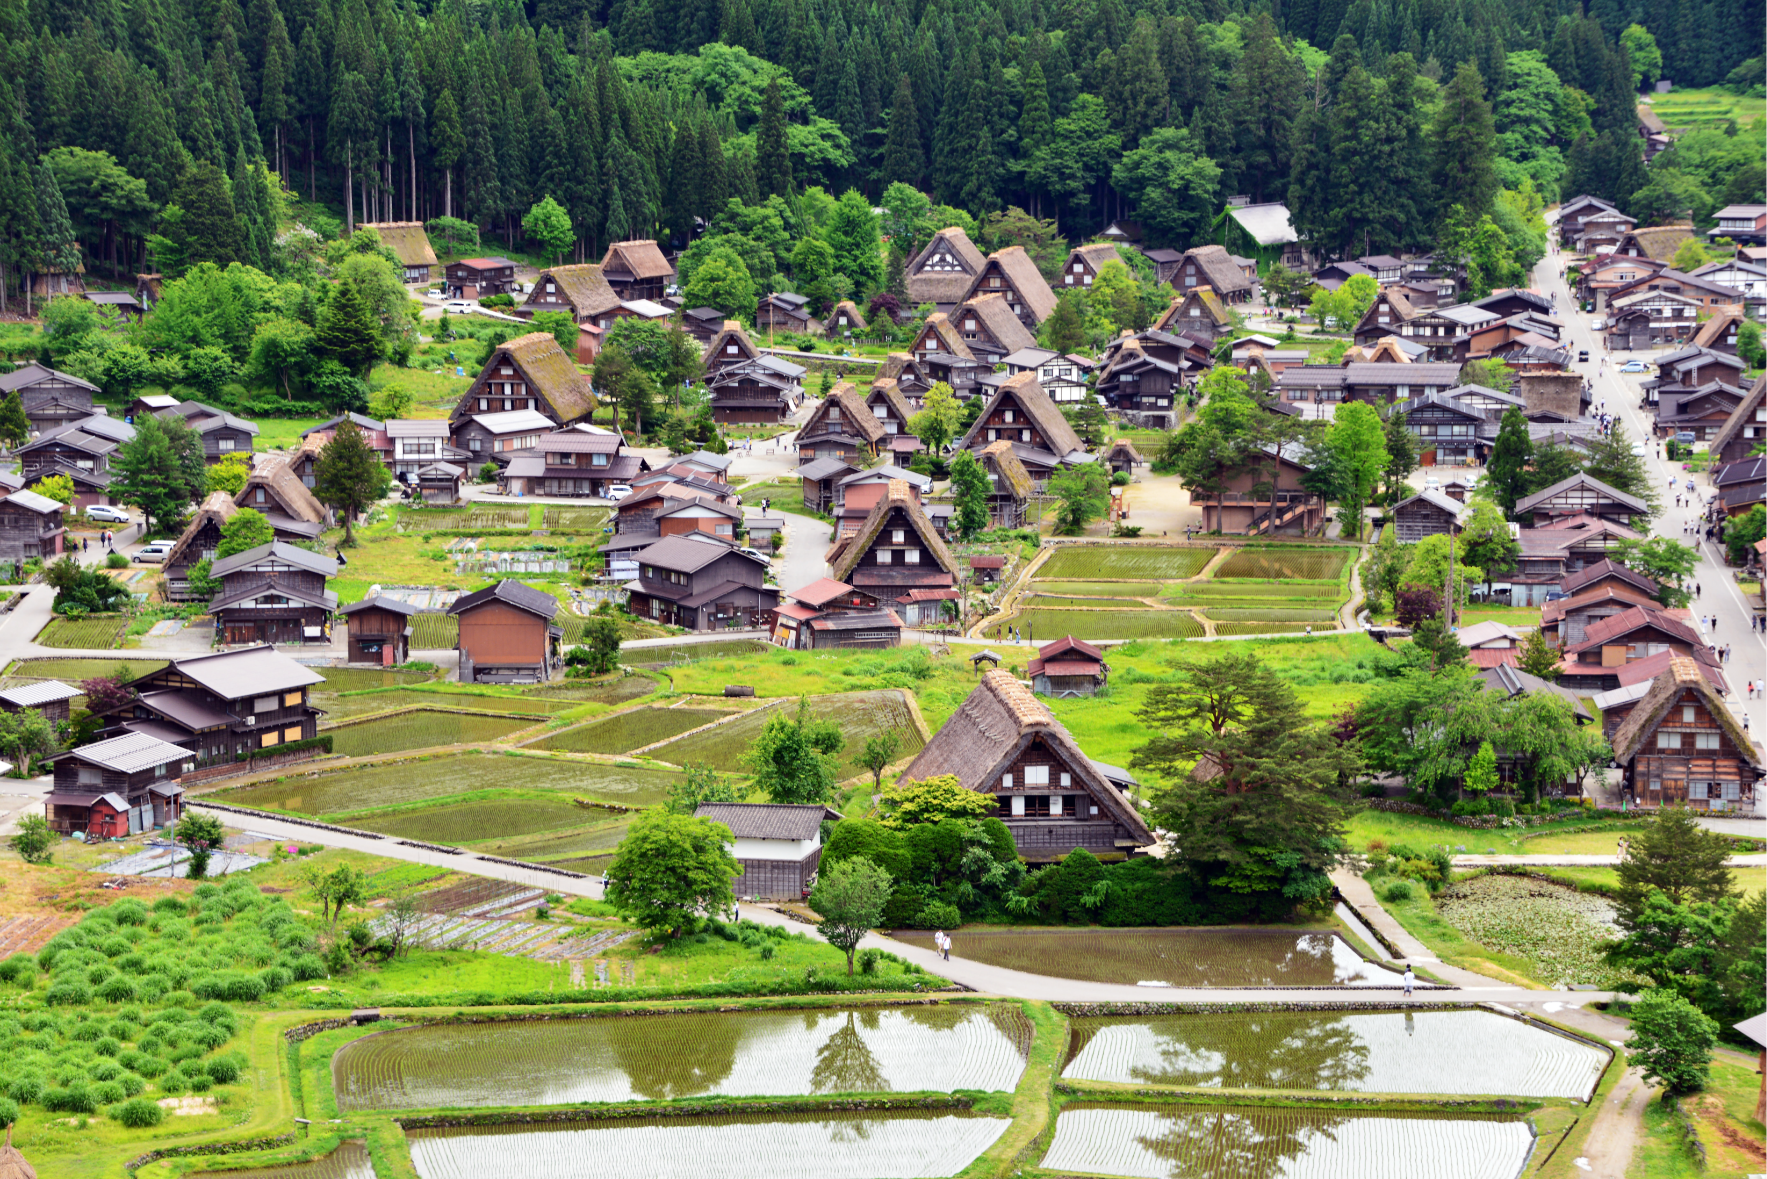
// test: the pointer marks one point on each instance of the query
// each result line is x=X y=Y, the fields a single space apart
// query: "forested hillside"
x=1371 y=118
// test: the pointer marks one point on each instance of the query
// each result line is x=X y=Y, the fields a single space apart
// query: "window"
x=1687 y=714
x=910 y=556
x=1018 y=800
x=292 y=734
x=474 y=444
x=1705 y=740
x=292 y=699
x=1024 y=435
x=551 y=288
x=897 y=536
x=1008 y=416
x=883 y=556
x=258 y=496
x=1067 y=780
x=1696 y=790
x=223 y=444
x=1006 y=784
x=265 y=740
x=91 y=776
x=1668 y=740
x=1732 y=791
x=1036 y=775
x=1055 y=804
x=598 y=460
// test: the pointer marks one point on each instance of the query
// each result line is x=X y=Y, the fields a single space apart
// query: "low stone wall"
x=698 y=1109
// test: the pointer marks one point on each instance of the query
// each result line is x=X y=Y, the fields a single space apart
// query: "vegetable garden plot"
x=475 y=517
x=860 y=715
x=662 y=1057
x=417 y=781
x=880 y=1145
x=349 y=1161
x=1304 y=564
x=343 y=707
x=630 y=730
x=434 y=632
x=1208 y=956
x=1461 y=1052
x=575 y=519
x=1046 y=625
x=1558 y=929
x=422 y=729
x=90 y=633
x=492 y=818
x=1098 y=589
x=1229 y=1143
x=1130 y=561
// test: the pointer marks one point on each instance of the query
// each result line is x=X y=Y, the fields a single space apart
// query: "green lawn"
x=281 y=433
x=1723 y=1116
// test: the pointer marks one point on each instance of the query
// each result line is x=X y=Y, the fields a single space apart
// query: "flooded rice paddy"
x=1460 y=1052
x=630 y=730
x=349 y=1161
x=1075 y=562
x=423 y=728
x=1226 y=956
x=491 y=818
x=1247 y=1143
x=860 y=715
x=789 y=1146
x=417 y=781
x=659 y=1057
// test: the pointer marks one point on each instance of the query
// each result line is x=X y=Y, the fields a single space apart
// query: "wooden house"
x=777 y=846
x=1550 y=554
x=274 y=593
x=507 y=635
x=1010 y=486
x=856 y=494
x=222 y=433
x=1143 y=376
x=1574 y=212
x=1609 y=273
x=702 y=583
x=222 y=705
x=1004 y=741
x=1605 y=573
x=1721 y=332
x=990 y=329
x=730 y=347
x=1213 y=267
x=417 y=442
x=701 y=515
x=1657 y=242
x=1386 y=316
x=70 y=450
x=410 y=245
x=636 y=270
x=439 y=484
x=1084 y=262
x=49 y=697
x=1335 y=274
x=1020 y=412
x=1745 y=428
x=1122 y=457
x=767 y=389
x=1428 y=513
x=1449 y=432
x=1197 y=311
x=702 y=323
x=818 y=479
x=1011 y=273
x=1741 y=485
x=885 y=401
x=986 y=568
x=1690 y=368
x=314 y=438
x=844 y=321
x=1264 y=496
x=828 y=614
x=529 y=372
x=942 y=272
x=571 y=463
x=1062 y=377
x=380 y=630
x=1633 y=634
x=1380 y=384
x=1743 y=224
x=494 y=436
x=1701 y=412
x=198 y=542
x=841 y=427
x=480 y=278
x=1682 y=746
x=783 y=311
x=896 y=552
x=638 y=513
x=1581 y=493
x=30 y=526
x=275 y=490
x=116 y=788
x=1068 y=667
x=127 y=307
x=579 y=291
x=1565 y=621
x=50 y=398
x=148 y=403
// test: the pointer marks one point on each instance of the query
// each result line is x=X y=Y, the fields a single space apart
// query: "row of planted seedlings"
x=951 y=1085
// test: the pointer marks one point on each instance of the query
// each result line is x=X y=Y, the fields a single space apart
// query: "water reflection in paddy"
x=656 y=1057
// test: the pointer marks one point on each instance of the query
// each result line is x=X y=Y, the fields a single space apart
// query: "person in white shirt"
x=1409 y=979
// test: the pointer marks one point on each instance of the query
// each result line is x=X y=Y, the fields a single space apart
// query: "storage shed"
x=778 y=846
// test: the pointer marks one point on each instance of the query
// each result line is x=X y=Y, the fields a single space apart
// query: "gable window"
x=1667 y=740
x=883 y=556
x=1705 y=740
x=1036 y=775
x=910 y=556
x=1687 y=714
x=898 y=535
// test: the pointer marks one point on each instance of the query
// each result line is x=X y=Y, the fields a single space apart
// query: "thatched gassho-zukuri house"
x=844 y=320
x=1682 y=746
x=1123 y=457
x=410 y=245
x=528 y=372
x=1004 y=741
x=898 y=557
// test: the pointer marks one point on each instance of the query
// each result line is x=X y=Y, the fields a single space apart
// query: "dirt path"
x=1618 y=1127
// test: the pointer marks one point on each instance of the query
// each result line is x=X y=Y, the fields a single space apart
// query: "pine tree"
x=349 y=476
x=273 y=106
x=311 y=95
x=446 y=144
x=1466 y=142
x=15 y=427
x=1034 y=123
x=480 y=196
x=772 y=153
x=57 y=249
x=347 y=331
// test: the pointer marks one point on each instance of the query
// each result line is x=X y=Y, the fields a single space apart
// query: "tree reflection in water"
x=845 y=1062
x=1246 y=1050
x=1224 y=1144
x=665 y=1056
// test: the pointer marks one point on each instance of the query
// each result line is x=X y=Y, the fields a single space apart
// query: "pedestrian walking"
x=1696 y=589
x=84 y=544
x=1410 y=978
x=947 y=947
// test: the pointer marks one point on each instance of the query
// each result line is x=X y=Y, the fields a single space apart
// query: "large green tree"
x=349 y=476
x=145 y=473
x=1358 y=441
x=1507 y=472
x=671 y=869
x=793 y=758
x=969 y=492
x=1465 y=141
x=850 y=897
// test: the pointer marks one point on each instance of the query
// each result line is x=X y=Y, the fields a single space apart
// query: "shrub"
x=19 y=968
x=307 y=967
x=1503 y=808
x=767 y=952
x=25 y=1089
x=138 y=1113
x=1399 y=890
x=105 y=1070
x=223 y=1071
x=8 y=1111
x=147 y=1065
x=106 y=1092
x=70 y=994
x=73 y=1099
x=170 y=905
x=107 y=1046
x=131 y=1084
x=868 y=960
x=938 y=915
x=198 y=1082
x=118 y=989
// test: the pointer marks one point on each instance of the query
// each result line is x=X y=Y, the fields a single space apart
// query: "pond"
x=876 y=1145
x=860 y=715
x=1225 y=1142
x=503 y=817
x=414 y=781
x=349 y=1161
x=1366 y=1052
x=422 y=728
x=659 y=1057
x=630 y=730
x=1211 y=956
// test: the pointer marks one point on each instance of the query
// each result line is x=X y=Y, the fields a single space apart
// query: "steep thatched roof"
x=856 y=416
x=886 y=389
x=1658 y=242
x=1712 y=331
x=940 y=327
x=944 y=286
x=12 y=1163
x=1744 y=412
x=855 y=321
x=581 y=284
x=1665 y=690
x=551 y=373
x=406 y=239
x=1013 y=476
x=898 y=495
x=640 y=258
x=218 y=507
x=1019 y=270
x=1095 y=255
x=1002 y=324
x=732 y=333
x=1125 y=449
x=1027 y=393
x=1218 y=266
x=274 y=474
x=990 y=728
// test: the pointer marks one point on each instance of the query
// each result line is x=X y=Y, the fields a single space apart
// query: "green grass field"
x=1710 y=104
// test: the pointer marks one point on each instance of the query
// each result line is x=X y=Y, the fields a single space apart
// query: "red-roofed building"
x=1068 y=667
x=827 y=613
x=986 y=570
x=1485 y=658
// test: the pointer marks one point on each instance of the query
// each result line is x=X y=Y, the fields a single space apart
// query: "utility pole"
x=1448 y=597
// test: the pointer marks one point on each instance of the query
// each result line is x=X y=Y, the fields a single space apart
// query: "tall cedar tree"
x=347 y=331
x=1675 y=856
x=1268 y=817
x=349 y=476
x=145 y=473
x=1507 y=469
x=15 y=427
x=903 y=160
x=1466 y=143
x=210 y=230
x=969 y=491
x=772 y=153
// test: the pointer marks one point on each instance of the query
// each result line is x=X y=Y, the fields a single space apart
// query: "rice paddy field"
x=420 y=729
x=1270 y=628
x=1267 y=614
x=505 y=815
x=1178 y=957
x=1295 y=563
x=630 y=730
x=1102 y=624
x=619 y=689
x=1095 y=589
x=360 y=679
x=677 y=652
x=1132 y=562
x=434 y=632
x=404 y=782
x=1228 y=1143
x=72 y=671
x=92 y=634
x=1208 y=593
x=1430 y=1051
x=1042 y=601
x=861 y=715
x=870 y=1145
x=349 y=1161
x=340 y=708
x=666 y=1056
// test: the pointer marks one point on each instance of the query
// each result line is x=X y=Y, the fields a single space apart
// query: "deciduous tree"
x=793 y=758
x=671 y=869
x=1673 y=1041
x=969 y=492
x=850 y=897
x=247 y=530
x=937 y=422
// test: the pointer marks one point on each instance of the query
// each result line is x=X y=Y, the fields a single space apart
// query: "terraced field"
x=508 y=815
x=341 y=708
x=434 y=632
x=1093 y=589
x=1271 y=628
x=1042 y=601
x=860 y=715
x=675 y=652
x=72 y=671
x=1201 y=593
x=1268 y=614
x=612 y=691
x=630 y=730
x=668 y=1056
x=1075 y=562
x=1046 y=625
x=421 y=729
x=349 y=1161
x=94 y=633
x=358 y=679
x=1303 y=564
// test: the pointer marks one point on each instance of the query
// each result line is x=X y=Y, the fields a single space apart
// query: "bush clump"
x=138 y=1113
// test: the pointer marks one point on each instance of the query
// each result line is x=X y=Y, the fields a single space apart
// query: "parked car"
x=756 y=553
x=458 y=307
x=1582 y=357
x=107 y=514
x=155 y=553
x=1635 y=366
x=618 y=492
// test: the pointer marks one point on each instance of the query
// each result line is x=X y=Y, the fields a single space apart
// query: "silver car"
x=155 y=553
